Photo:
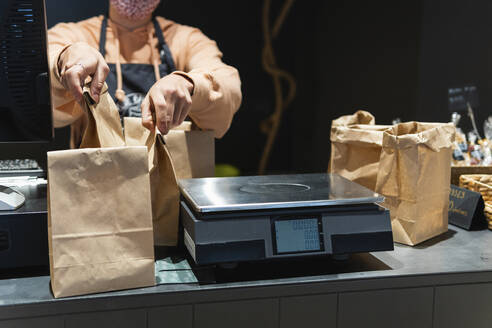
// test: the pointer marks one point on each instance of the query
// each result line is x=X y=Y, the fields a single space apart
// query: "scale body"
x=267 y=217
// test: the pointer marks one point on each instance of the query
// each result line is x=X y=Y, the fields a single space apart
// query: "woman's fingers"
x=71 y=80
x=78 y=62
x=98 y=79
x=170 y=100
x=185 y=109
x=147 y=114
x=163 y=111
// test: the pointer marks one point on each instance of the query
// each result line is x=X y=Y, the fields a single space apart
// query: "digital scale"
x=237 y=219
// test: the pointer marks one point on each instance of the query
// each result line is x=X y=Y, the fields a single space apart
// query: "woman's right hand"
x=76 y=63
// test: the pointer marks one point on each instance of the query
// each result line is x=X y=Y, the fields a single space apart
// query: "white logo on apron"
x=131 y=105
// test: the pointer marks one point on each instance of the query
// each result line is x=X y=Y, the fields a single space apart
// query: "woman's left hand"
x=167 y=103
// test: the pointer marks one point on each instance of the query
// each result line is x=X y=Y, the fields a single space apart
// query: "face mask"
x=135 y=9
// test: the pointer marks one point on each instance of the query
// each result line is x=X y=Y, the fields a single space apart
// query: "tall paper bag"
x=99 y=212
x=183 y=153
x=414 y=175
x=100 y=231
x=163 y=182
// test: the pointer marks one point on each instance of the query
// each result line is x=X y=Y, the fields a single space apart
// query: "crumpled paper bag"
x=359 y=117
x=413 y=175
x=356 y=147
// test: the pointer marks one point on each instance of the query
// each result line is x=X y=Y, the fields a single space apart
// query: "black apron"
x=137 y=78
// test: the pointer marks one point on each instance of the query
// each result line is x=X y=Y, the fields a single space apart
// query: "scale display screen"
x=297 y=235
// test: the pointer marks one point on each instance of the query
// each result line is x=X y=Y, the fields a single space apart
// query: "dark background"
x=393 y=58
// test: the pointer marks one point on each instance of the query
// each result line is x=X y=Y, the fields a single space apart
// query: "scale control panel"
x=297 y=235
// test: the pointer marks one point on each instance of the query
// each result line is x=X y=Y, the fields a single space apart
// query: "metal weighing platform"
x=267 y=217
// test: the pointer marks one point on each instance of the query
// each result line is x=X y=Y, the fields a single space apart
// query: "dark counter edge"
x=184 y=294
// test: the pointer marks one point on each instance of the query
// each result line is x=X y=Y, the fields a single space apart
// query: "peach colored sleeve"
x=65 y=109
x=217 y=86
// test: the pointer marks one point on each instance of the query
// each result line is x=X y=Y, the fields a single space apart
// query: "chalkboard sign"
x=466 y=209
x=458 y=98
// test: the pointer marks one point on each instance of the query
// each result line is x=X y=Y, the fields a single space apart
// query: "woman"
x=154 y=68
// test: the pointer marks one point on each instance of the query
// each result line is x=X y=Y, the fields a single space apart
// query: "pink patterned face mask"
x=135 y=9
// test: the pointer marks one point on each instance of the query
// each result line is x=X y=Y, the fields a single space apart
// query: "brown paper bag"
x=192 y=151
x=183 y=153
x=103 y=127
x=356 y=148
x=163 y=180
x=99 y=211
x=414 y=175
x=359 y=117
x=164 y=187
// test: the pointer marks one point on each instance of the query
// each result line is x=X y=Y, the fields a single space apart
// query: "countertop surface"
x=455 y=252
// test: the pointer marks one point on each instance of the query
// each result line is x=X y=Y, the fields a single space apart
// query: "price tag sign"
x=466 y=209
x=459 y=97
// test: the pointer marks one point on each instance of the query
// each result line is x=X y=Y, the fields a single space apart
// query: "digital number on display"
x=298 y=235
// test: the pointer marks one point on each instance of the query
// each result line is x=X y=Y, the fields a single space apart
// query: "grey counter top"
x=457 y=256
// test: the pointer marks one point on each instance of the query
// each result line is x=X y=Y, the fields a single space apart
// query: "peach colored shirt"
x=217 y=86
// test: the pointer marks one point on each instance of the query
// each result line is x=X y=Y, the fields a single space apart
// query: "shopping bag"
x=414 y=174
x=99 y=211
x=356 y=147
x=103 y=122
x=163 y=182
x=182 y=154
x=359 y=117
x=192 y=151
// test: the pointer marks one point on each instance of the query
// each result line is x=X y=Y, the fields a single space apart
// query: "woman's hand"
x=76 y=63
x=167 y=103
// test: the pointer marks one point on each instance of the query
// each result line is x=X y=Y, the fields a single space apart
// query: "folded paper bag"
x=100 y=232
x=100 y=220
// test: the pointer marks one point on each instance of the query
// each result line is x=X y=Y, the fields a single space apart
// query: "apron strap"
x=164 y=51
x=102 y=36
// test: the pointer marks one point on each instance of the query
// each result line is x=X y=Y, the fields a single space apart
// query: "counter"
x=444 y=282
